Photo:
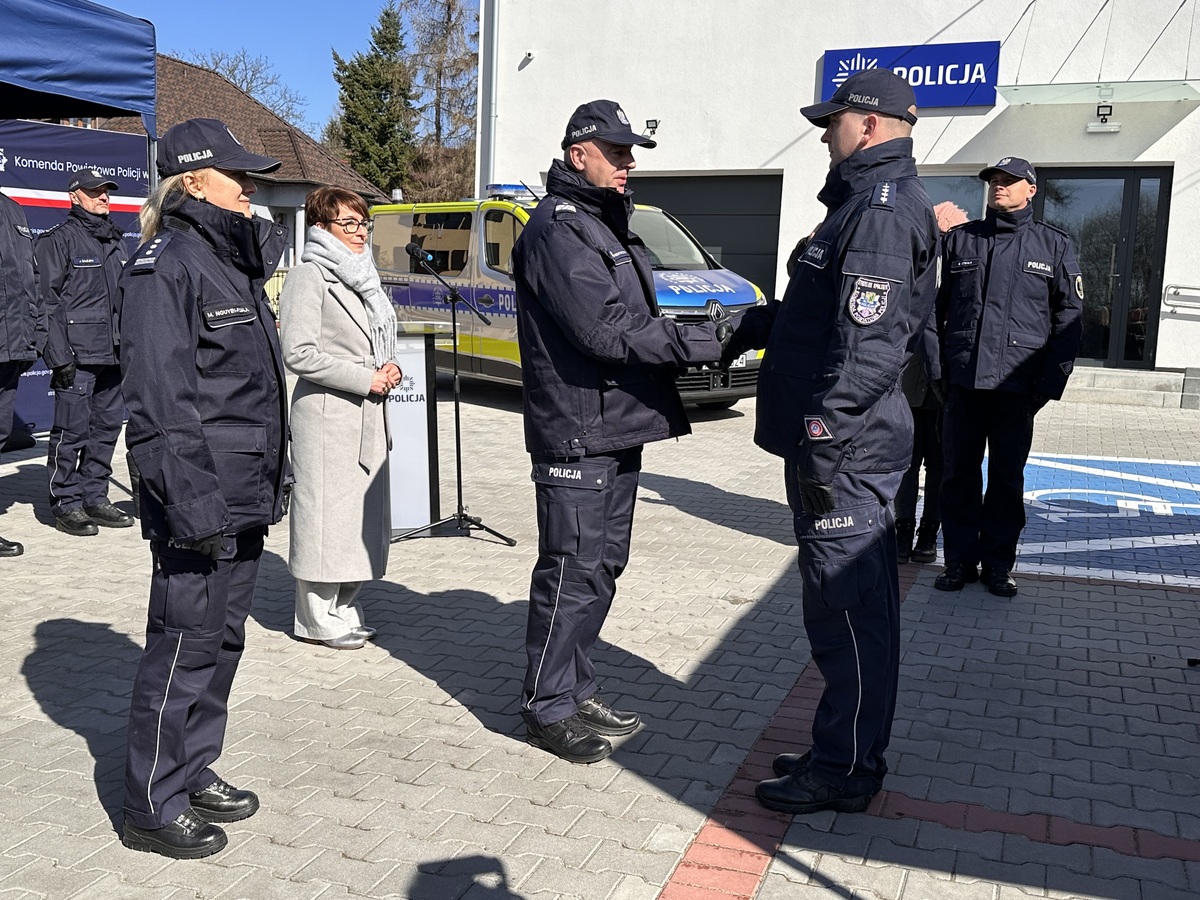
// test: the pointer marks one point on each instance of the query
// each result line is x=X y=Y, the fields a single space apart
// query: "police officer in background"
x=1010 y=310
x=79 y=262
x=830 y=404
x=204 y=381
x=598 y=363
x=22 y=319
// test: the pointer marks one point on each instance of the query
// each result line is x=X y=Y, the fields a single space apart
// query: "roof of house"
x=188 y=91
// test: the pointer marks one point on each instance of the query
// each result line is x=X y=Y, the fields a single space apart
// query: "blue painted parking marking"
x=1126 y=519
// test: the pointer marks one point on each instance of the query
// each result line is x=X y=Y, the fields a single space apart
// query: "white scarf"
x=357 y=272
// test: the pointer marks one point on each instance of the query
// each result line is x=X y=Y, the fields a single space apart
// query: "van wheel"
x=717 y=404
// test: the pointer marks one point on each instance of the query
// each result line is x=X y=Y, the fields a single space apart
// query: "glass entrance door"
x=1118 y=219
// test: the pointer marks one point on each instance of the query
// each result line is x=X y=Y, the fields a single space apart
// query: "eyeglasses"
x=352 y=225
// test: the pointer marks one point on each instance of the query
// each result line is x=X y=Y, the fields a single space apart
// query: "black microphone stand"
x=461 y=521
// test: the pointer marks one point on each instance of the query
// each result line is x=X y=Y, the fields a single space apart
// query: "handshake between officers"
x=598 y=362
x=830 y=404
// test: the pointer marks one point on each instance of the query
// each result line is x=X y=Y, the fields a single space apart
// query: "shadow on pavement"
x=484 y=877
x=81 y=674
x=755 y=516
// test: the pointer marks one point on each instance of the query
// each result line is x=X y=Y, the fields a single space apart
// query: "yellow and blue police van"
x=471 y=241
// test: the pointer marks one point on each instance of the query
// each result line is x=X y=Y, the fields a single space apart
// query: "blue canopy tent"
x=74 y=58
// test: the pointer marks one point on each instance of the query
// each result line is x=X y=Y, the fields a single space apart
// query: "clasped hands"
x=386 y=378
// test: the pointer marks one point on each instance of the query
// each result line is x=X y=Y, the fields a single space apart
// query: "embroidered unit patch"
x=869 y=300
x=816 y=429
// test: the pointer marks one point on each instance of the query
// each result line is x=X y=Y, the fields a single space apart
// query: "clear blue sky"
x=295 y=35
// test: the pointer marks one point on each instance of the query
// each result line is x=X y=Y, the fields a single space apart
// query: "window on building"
x=966 y=192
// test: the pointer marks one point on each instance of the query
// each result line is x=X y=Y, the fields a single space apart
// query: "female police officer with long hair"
x=204 y=384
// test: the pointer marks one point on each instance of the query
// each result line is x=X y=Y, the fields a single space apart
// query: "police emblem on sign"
x=869 y=300
x=816 y=429
x=1079 y=286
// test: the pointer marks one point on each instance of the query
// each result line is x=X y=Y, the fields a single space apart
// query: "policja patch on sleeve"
x=869 y=300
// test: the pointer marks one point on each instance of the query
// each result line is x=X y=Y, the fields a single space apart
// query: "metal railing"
x=1181 y=296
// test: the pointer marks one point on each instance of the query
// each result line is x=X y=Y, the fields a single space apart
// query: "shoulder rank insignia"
x=564 y=209
x=147 y=255
x=884 y=195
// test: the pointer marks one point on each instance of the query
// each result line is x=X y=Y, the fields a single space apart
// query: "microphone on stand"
x=416 y=252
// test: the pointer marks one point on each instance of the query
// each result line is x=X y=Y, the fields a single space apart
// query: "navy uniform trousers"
x=195 y=635
x=977 y=528
x=584 y=527
x=10 y=377
x=852 y=616
x=87 y=423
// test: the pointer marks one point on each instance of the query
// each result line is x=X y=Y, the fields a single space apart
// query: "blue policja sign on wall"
x=941 y=74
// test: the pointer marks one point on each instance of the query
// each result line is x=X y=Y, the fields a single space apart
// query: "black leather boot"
x=790 y=763
x=904 y=539
x=603 y=719
x=955 y=575
x=801 y=793
x=569 y=738
x=925 y=550
x=222 y=802
x=188 y=837
x=10 y=548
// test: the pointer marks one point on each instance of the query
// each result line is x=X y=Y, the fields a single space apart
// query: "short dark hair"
x=322 y=204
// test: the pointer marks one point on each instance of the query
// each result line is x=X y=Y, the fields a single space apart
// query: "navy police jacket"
x=79 y=263
x=203 y=374
x=1010 y=305
x=22 y=317
x=598 y=360
x=828 y=394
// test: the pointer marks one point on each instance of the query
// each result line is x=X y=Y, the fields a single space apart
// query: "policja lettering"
x=192 y=157
x=834 y=522
x=572 y=474
x=919 y=75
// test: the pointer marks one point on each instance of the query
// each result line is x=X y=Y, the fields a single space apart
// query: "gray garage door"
x=736 y=217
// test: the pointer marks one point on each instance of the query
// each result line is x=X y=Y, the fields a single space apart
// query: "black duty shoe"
x=108 y=515
x=222 y=802
x=904 y=539
x=802 y=793
x=570 y=739
x=603 y=719
x=790 y=763
x=76 y=523
x=10 y=548
x=1001 y=583
x=925 y=550
x=188 y=837
x=955 y=575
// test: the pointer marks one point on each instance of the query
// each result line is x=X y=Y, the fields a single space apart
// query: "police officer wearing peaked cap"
x=204 y=382
x=79 y=263
x=598 y=363
x=1010 y=312
x=22 y=319
x=830 y=405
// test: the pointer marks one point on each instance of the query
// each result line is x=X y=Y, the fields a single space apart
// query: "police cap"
x=89 y=180
x=603 y=120
x=1011 y=165
x=873 y=90
x=207 y=143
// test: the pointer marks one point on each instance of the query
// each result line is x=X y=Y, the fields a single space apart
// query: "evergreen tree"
x=375 y=123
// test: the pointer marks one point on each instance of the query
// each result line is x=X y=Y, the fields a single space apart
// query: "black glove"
x=210 y=546
x=1039 y=400
x=285 y=499
x=816 y=496
x=63 y=377
x=25 y=365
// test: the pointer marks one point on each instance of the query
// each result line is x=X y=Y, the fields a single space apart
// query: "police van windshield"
x=671 y=248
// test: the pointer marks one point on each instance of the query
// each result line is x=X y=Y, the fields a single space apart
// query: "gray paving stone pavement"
x=400 y=770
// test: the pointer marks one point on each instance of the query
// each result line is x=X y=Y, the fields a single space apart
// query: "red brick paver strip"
x=729 y=857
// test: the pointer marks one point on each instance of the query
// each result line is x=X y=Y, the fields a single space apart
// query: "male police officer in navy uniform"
x=830 y=404
x=1009 y=309
x=79 y=262
x=204 y=380
x=598 y=363
x=22 y=319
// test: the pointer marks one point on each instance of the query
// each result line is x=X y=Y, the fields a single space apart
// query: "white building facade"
x=1100 y=95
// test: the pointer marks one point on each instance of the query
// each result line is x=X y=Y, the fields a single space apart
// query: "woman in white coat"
x=338 y=332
